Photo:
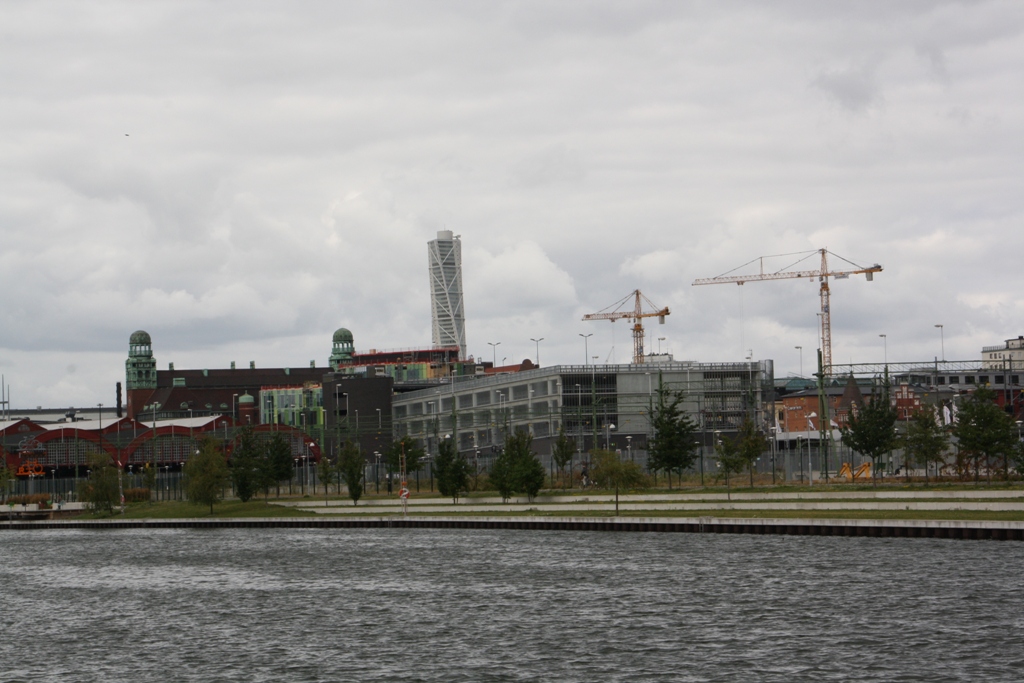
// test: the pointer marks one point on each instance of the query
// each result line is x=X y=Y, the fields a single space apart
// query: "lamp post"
x=348 y=431
x=494 y=353
x=700 y=445
x=376 y=470
x=586 y=352
x=800 y=456
x=629 y=447
x=608 y=429
x=716 y=435
x=942 y=341
x=801 y=350
x=660 y=339
x=885 y=348
x=537 y=342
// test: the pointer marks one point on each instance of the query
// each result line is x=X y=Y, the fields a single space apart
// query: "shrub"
x=139 y=495
x=42 y=499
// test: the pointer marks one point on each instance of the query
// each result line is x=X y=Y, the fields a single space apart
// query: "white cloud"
x=284 y=167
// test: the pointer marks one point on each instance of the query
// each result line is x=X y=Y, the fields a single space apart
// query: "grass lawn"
x=175 y=509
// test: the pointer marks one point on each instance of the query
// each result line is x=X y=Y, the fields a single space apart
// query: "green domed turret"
x=246 y=399
x=344 y=347
x=140 y=368
x=140 y=338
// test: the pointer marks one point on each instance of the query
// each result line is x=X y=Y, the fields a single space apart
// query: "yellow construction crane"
x=822 y=274
x=615 y=312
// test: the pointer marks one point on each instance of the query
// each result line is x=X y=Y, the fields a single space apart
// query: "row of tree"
x=986 y=434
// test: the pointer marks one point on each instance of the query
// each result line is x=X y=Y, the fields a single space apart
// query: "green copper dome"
x=246 y=398
x=140 y=337
x=343 y=335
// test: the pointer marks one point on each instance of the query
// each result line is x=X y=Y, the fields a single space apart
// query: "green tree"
x=502 y=475
x=275 y=463
x=206 y=475
x=517 y=468
x=415 y=456
x=352 y=467
x=925 y=440
x=451 y=470
x=611 y=471
x=5 y=479
x=527 y=472
x=871 y=429
x=101 y=491
x=731 y=459
x=752 y=443
x=247 y=465
x=1018 y=457
x=562 y=453
x=327 y=473
x=149 y=478
x=672 y=446
x=985 y=431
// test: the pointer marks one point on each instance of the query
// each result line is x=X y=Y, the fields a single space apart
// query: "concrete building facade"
x=602 y=405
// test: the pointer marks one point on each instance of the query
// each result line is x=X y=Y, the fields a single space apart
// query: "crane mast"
x=822 y=274
x=637 y=314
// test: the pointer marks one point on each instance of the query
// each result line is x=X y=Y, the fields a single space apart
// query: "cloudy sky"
x=241 y=178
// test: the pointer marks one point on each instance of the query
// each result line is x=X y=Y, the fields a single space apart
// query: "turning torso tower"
x=447 y=311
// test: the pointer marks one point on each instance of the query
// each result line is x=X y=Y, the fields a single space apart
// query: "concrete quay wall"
x=947 y=529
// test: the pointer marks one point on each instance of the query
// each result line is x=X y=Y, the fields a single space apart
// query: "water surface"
x=504 y=605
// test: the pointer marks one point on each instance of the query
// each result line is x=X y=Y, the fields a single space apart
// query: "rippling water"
x=477 y=605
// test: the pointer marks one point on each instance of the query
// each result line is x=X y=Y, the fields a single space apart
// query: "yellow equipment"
x=862 y=471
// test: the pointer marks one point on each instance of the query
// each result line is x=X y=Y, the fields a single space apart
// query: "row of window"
x=982 y=379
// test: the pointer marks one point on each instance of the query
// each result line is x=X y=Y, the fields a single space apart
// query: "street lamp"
x=942 y=340
x=494 y=353
x=885 y=348
x=629 y=447
x=608 y=429
x=376 y=470
x=801 y=350
x=716 y=435
x=586 y=353
x=537 y=342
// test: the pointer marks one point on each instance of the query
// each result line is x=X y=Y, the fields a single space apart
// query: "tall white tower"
x=449 y=316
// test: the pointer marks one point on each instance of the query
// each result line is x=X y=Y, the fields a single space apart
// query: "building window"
x=999 y=379
x=942 y=380
x=968 y=380
x=1014 y=379
x=954 y=380
x=983 y=379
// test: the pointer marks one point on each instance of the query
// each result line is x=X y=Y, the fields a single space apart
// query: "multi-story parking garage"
x=604 y=404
